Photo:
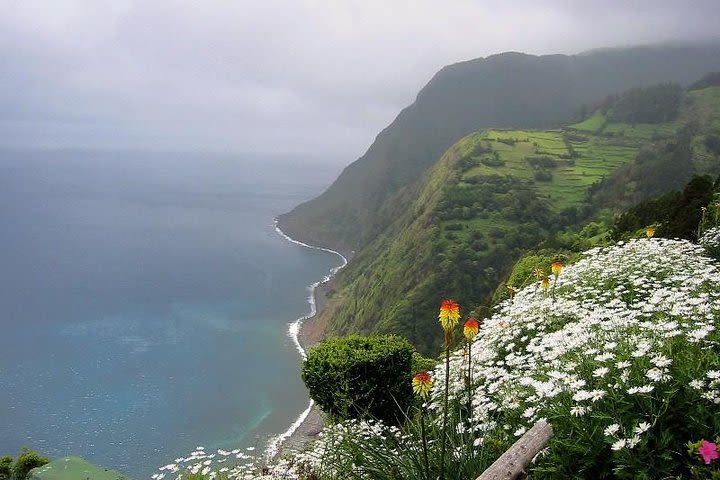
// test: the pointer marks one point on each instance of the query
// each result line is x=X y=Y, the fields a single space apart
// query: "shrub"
x=5 y=467
x=361 y=377
x=420 y=363
x=543 y=175
x=26 y=462
x=481 y=148
x=454 y=226
x=494 y=161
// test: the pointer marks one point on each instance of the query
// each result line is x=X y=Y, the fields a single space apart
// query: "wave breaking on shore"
x=274 y=444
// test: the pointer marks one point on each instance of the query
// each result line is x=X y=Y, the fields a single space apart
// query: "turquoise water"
x=145 y=303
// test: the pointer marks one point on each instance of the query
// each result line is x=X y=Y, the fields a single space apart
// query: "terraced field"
x=574 y=161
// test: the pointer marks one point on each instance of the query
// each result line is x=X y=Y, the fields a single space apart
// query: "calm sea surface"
x=145 y=300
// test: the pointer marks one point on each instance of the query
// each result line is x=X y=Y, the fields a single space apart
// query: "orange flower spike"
x=650 y=232
x=449 y=314
x=556 y=268
x=470 y=329
x=422 y=383
x=546 y=283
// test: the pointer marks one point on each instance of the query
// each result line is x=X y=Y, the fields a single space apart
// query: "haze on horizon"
x=276 y=76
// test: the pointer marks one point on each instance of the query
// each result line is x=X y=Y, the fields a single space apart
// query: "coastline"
x=310 y=422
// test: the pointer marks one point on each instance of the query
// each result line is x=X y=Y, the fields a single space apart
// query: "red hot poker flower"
x=449 y=314
x=422 y=382
x=470 y=329
x=557 y=267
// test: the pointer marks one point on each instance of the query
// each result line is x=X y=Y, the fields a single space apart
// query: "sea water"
x=145 y=300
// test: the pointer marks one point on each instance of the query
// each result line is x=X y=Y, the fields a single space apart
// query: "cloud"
x=277 y=75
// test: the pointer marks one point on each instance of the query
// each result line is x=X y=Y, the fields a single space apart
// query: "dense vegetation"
x=619 y=353
x=677 y=214
x=655 y=104
x=496 y=193
x=510 y=90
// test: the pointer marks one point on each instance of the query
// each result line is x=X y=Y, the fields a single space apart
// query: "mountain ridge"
x=508 y=90
x=495 y=193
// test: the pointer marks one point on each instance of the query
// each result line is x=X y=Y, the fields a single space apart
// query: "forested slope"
x=509 y=90
x=495 y=193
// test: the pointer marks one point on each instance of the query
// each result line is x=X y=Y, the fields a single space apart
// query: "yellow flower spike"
x=556 y=268
x=650 y=231
x=546 y=283
x=449 y=314
x=470 y=329
x=422 y=383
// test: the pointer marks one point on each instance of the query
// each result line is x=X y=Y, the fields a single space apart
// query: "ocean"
x=145 y=300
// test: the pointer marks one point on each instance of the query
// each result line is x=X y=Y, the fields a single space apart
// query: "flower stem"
x=445 y=406
x=469 y=401
x=424 y=444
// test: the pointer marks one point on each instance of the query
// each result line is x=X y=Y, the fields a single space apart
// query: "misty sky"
x=275 y=76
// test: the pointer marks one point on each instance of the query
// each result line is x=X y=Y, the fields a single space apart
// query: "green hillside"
x=495 y=193
x=509 y=90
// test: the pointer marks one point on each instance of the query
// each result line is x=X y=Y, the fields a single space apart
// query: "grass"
x=593 y=124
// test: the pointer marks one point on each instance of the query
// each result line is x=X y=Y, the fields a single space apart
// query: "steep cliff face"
x=495 y=193
x=509 y=90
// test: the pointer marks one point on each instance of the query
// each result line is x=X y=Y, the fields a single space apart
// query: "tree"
x=27 y=460
x=5 y=467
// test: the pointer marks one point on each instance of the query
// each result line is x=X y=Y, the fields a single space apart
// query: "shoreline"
x=310 y=422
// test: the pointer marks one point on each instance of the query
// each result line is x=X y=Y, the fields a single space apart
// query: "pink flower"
x=708 y=451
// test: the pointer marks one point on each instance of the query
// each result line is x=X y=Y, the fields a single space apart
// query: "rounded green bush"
x=361 y=377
